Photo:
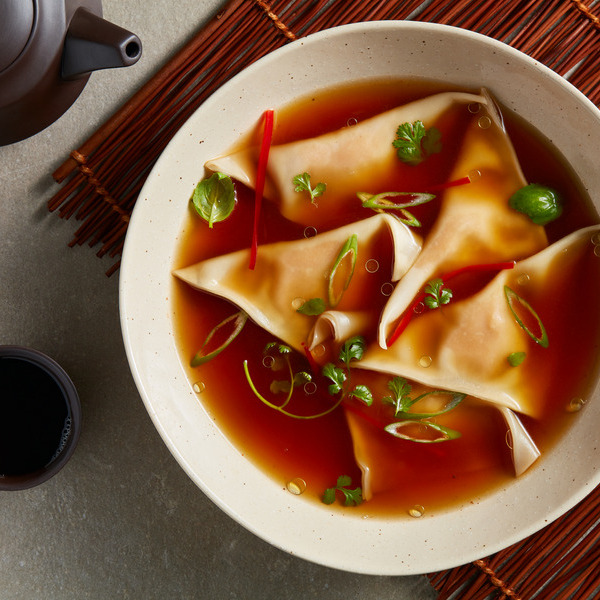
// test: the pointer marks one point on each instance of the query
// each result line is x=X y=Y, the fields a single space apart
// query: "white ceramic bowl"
x=306 y=529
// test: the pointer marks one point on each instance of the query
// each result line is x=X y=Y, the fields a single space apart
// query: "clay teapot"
x=48 y=48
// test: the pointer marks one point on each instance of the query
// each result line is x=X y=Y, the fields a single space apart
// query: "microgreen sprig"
x=351 y=497
x=295 y=380
x=302 y=184
x=352 y=350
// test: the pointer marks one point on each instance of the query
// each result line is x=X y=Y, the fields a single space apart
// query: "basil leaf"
x=214 y=198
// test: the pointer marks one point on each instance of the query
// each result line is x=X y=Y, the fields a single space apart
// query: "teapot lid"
x=16 y=25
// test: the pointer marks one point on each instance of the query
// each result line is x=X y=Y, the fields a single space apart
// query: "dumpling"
x=464 y=346
x=475 y=223
x=290 y=273
x=352 y=159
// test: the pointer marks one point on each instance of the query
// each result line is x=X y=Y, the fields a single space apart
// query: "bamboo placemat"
x=102 y=178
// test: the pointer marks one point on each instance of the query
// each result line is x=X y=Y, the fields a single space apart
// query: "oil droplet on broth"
x=310 y=387
x=310 y=232
x=419 y=308
x=297 y=303
x=372 y=266
x=296 y=486
x=268 y=361
x=417 y=511
x=425 y=361
x=352 y=121
x=199 y=387
x=474 y=175
x=318 y=350
x=596 y=239
x=387 y=289
x=474 y=107
x=523 y=279
x=597 y=250
x=575 y=405
x=484 y=122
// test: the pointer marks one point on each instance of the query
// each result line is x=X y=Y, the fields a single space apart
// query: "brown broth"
x=319 y=451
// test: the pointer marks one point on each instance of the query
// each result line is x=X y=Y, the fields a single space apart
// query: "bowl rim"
x=310 y=549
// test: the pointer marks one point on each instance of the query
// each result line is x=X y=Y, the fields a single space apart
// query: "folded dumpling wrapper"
x=523 y=449
x=335 y=326
x=349 y=160
x=475 y=223
x=464 y=345
x=290 y=273
x=385 y=466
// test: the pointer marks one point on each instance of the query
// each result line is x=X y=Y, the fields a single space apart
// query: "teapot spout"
x=92 y=43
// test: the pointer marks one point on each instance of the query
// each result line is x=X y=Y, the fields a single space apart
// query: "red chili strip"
x=449 y=184
x=314 y=365
x=409 y=312
x=261 y=172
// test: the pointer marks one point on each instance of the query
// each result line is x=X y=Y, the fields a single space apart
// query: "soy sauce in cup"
x=40 y=417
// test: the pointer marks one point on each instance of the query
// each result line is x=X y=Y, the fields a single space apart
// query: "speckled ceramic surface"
x=318 y=533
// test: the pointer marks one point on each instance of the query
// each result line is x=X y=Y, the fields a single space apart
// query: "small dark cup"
x=40 y=418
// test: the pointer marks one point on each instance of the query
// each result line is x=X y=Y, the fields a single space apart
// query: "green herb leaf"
x=214 y=198
x=414 y=142
x=350 y=248
x=336 y=375
x=400 y=398
x=516 y=358
x=329 y=496
x=540 y=203
x=312 y=307
x=456 y=399
x=382 y=201
x=446 y=433
x=351 y=497
x=283 y=386
x=237 y=320
x=302 y=184
x=363 y=393
x=352 y=349
x=513 y=299
x=437 y=294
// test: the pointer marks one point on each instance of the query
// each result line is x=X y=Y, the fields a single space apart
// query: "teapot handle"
x=92 y=43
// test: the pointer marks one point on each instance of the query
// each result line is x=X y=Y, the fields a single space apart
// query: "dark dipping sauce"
x=321 y=450
x=34 y=417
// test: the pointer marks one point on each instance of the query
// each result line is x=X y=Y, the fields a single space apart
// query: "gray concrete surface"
x=121 y=520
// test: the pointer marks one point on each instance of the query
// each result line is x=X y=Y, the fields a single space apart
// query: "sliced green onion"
x=349 y=248
x=446 y=433
x=382 y=202
x=511 y=298
x=239 y=320
x=457 y=398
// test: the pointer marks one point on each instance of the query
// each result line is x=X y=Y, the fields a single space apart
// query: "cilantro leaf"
x=437 y=294
x=351 y=497
x=400 y=398
x=353 y=349
x=363 y=393
x=336 y=375
x=414 y=142
x=302 y=184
